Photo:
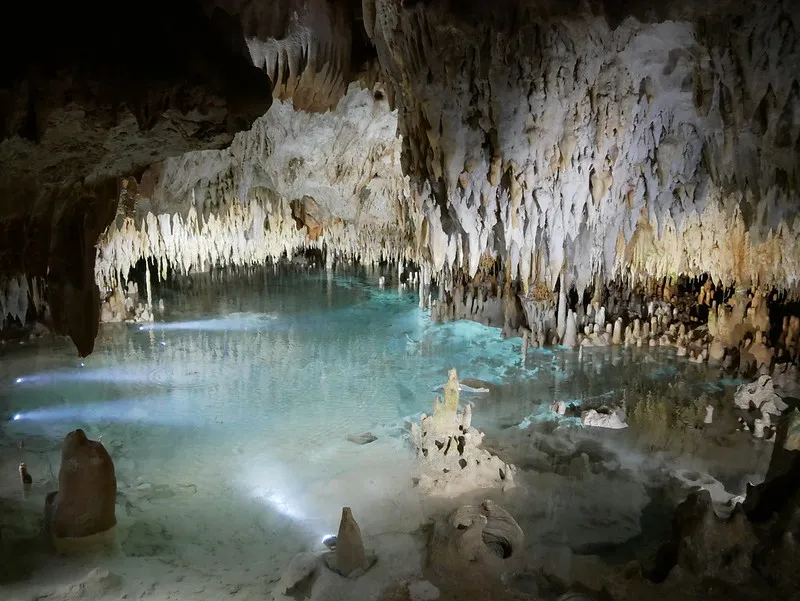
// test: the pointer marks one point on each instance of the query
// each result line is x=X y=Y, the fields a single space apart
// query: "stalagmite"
x=562 y=310
x=571 y=331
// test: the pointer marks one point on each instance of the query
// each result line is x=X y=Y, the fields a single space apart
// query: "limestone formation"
x=614 y=420
x=349 y=558
x=760 y=395
x=451 y=460
x=82 y=512
x=578 y=143
x=88 y=106
x=548 y=148
x=477 y=541
x=334 y=182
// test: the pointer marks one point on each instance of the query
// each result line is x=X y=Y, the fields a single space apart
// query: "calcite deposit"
x=294 y=181
x=448 y=447
x=569 y=142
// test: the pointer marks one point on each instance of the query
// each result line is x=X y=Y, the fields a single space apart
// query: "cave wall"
x=88 y=94
x=564 y=136
x=310 y=49
x=295 y=180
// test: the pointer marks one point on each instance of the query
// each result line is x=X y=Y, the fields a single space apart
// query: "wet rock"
x=483 y=539
x=422 y=590
x=95 y=585
x=705 y=546
x=83 y=508
x=450 y=457
x=365 y=438
x=614 y=420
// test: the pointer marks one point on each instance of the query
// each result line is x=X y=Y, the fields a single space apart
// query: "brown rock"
x=87 y=489
x=349 y=555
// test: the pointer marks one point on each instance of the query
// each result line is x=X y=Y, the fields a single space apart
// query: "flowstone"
x=448 y=448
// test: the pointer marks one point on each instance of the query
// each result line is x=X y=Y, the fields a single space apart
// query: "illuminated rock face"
x=295 y=180
x=559 y=142
x=550 y=141
x=451 y=460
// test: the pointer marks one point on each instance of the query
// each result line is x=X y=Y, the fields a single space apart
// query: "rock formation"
x=82 y=512
x=83 y=103
x=294 y=181
x=572 y=140
x=349 y=558
x=756 y=542
x=477 y=542
x=521 y=158
x=451 y=459
x=761 y=395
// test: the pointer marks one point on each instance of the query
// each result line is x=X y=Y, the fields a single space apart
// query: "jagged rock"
x=448 y=450
x=614 y=420
x=705 y=546
x=82 y=512
x=761 y=395
x=570 y=179
x=189 y=212
x=481 y=539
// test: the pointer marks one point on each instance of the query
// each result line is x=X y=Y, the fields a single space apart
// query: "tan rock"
x=83 y=506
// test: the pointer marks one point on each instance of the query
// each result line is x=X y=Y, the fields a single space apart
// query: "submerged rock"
x=365 y=438
x=484 y=539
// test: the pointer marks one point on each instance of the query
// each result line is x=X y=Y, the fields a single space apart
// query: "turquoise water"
x=228 y=417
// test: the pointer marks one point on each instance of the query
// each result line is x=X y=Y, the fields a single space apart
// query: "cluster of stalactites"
x=574 y=147
x=242 y=235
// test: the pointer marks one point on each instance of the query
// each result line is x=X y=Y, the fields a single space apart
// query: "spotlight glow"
x=233 y=322
x=150 y=410
x=115 y=375
x=279 y=503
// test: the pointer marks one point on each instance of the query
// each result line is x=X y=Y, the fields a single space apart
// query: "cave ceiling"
x=561 y=138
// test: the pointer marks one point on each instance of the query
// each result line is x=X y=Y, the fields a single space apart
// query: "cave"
x=272 y=259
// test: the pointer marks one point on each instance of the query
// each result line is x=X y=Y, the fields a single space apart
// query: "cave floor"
x=228 y=419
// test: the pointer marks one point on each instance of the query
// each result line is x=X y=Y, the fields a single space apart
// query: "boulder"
x=81 y=513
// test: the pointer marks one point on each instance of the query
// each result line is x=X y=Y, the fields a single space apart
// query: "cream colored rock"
x=450 y=458
x=614 y=420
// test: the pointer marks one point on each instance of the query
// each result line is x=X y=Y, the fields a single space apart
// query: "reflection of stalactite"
x=18 y=296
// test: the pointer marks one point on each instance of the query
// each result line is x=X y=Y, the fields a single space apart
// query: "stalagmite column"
x=617 y=335
x=571 y=332
x=562 y=310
